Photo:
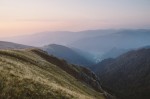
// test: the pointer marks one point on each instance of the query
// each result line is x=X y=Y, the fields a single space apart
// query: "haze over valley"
x=74 y=49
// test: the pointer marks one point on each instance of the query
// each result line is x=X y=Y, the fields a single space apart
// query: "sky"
x=21 y=17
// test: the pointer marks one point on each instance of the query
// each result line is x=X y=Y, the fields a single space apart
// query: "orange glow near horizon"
x=21 y=17
x=14 y=28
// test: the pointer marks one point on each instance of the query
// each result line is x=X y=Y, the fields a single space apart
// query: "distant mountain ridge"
x=96 y=42
x=121 y=39
x=56 y=37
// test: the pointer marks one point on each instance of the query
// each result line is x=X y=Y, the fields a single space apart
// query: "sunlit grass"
x=24 y=74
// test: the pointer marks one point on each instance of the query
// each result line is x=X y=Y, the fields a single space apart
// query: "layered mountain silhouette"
x=127 y=76
x=32 y=73
x=56 y=37
x=71 y=55
x=97 y=42
x=58 y=71
x=121 y=39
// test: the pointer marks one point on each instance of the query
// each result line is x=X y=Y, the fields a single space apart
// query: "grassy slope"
x=26 y=75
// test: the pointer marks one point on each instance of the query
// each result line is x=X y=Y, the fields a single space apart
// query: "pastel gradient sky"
x=20 y=17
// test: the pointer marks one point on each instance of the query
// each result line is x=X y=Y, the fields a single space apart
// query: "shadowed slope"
x=127 y=76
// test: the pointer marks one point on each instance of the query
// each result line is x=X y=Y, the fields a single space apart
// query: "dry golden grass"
x=25 y=75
